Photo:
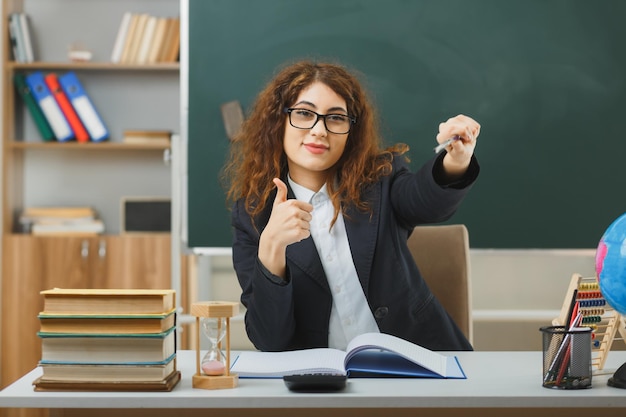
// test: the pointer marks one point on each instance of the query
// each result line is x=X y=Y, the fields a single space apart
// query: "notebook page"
x=427 y=358
x=253 y=364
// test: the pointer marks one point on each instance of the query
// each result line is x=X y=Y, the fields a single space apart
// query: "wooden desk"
x=498 y=383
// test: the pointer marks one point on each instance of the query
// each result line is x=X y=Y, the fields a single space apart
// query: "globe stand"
x=618 y=380
x=221 y=312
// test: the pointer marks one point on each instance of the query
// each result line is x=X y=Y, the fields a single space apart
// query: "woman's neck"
x=313 y=181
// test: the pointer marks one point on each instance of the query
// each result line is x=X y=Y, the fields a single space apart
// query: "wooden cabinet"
x=33 y=263
x=133 y=261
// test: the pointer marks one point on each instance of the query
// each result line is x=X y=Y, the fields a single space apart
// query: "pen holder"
x=566 y=357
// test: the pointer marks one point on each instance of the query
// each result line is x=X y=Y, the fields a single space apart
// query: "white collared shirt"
x=350 y=315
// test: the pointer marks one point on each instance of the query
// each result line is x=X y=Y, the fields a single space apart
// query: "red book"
x=68 y=110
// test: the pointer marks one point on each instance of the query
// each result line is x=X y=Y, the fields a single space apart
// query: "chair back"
x=442 y=255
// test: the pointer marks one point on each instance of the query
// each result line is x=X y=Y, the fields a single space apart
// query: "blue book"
x=84 y=107
x=49 y=106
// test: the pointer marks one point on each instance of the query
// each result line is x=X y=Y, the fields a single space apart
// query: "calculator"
x=315 y=382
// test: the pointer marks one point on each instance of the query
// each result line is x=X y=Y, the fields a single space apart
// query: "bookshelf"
x=100 y=175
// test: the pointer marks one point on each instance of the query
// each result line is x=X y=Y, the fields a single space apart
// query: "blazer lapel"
x=362 y=230
x=304 y=255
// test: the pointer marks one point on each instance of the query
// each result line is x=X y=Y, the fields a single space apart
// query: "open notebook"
x=367 y=355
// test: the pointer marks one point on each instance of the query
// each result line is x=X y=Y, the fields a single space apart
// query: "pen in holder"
x=566 y=357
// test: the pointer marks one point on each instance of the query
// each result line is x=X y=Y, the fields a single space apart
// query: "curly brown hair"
x=257 y=155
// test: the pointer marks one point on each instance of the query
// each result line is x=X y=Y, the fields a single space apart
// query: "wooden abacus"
x=215 y=310
x=596 y=313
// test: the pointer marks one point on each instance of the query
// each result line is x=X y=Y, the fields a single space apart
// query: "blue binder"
x=50 y=108
x=84 y=107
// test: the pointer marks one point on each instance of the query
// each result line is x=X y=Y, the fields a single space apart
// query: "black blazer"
x=294 y=313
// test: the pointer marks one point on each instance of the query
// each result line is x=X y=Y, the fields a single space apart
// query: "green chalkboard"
x=545 y=78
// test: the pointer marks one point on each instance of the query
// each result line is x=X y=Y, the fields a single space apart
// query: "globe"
x=611 y=274
x=611 y=264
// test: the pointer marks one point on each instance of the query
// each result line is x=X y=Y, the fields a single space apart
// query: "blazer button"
x=381 y=312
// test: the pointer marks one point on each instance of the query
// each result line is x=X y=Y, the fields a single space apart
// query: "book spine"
x=108 y=348
x=49 y=106
x=91 y=227
x=28 y=46
x=146 y=40
x=136 y=40
x=35 y=111
x=174 y=47
x=80 y=133
x=84 y=106
x=157 y=43
x=120 y=39
x=128 y=41
x=16 y=38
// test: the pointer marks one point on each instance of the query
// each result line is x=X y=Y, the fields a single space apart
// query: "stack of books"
x=96 y=339
x=146 y=39
x=60 y=107
x=81 y=221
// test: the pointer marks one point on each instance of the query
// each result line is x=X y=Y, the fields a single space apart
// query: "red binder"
x=68 y=110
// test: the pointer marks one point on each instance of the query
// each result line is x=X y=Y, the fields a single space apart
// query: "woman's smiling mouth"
x=316 y=148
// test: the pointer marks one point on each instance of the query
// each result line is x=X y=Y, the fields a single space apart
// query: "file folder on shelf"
x=49 y=106
x=40 y=119
x=83 y=106
x=52 y=81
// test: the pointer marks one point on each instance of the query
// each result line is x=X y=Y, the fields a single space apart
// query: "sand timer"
x=213 y=318
x=214 y=362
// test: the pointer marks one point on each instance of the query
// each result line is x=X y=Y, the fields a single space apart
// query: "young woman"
x=322 y=214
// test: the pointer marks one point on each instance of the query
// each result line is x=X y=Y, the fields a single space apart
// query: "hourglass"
x=214 y=362
x=213 y=321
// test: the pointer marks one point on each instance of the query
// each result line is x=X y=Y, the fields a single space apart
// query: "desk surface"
x=496 y=380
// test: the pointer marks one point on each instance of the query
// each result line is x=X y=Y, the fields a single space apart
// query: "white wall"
x=517 y=291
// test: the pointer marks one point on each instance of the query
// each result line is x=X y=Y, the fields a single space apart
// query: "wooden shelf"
x=128 y=95
x=89 y=146
x=92 y=66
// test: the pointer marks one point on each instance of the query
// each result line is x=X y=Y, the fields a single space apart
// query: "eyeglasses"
x=305 y=119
